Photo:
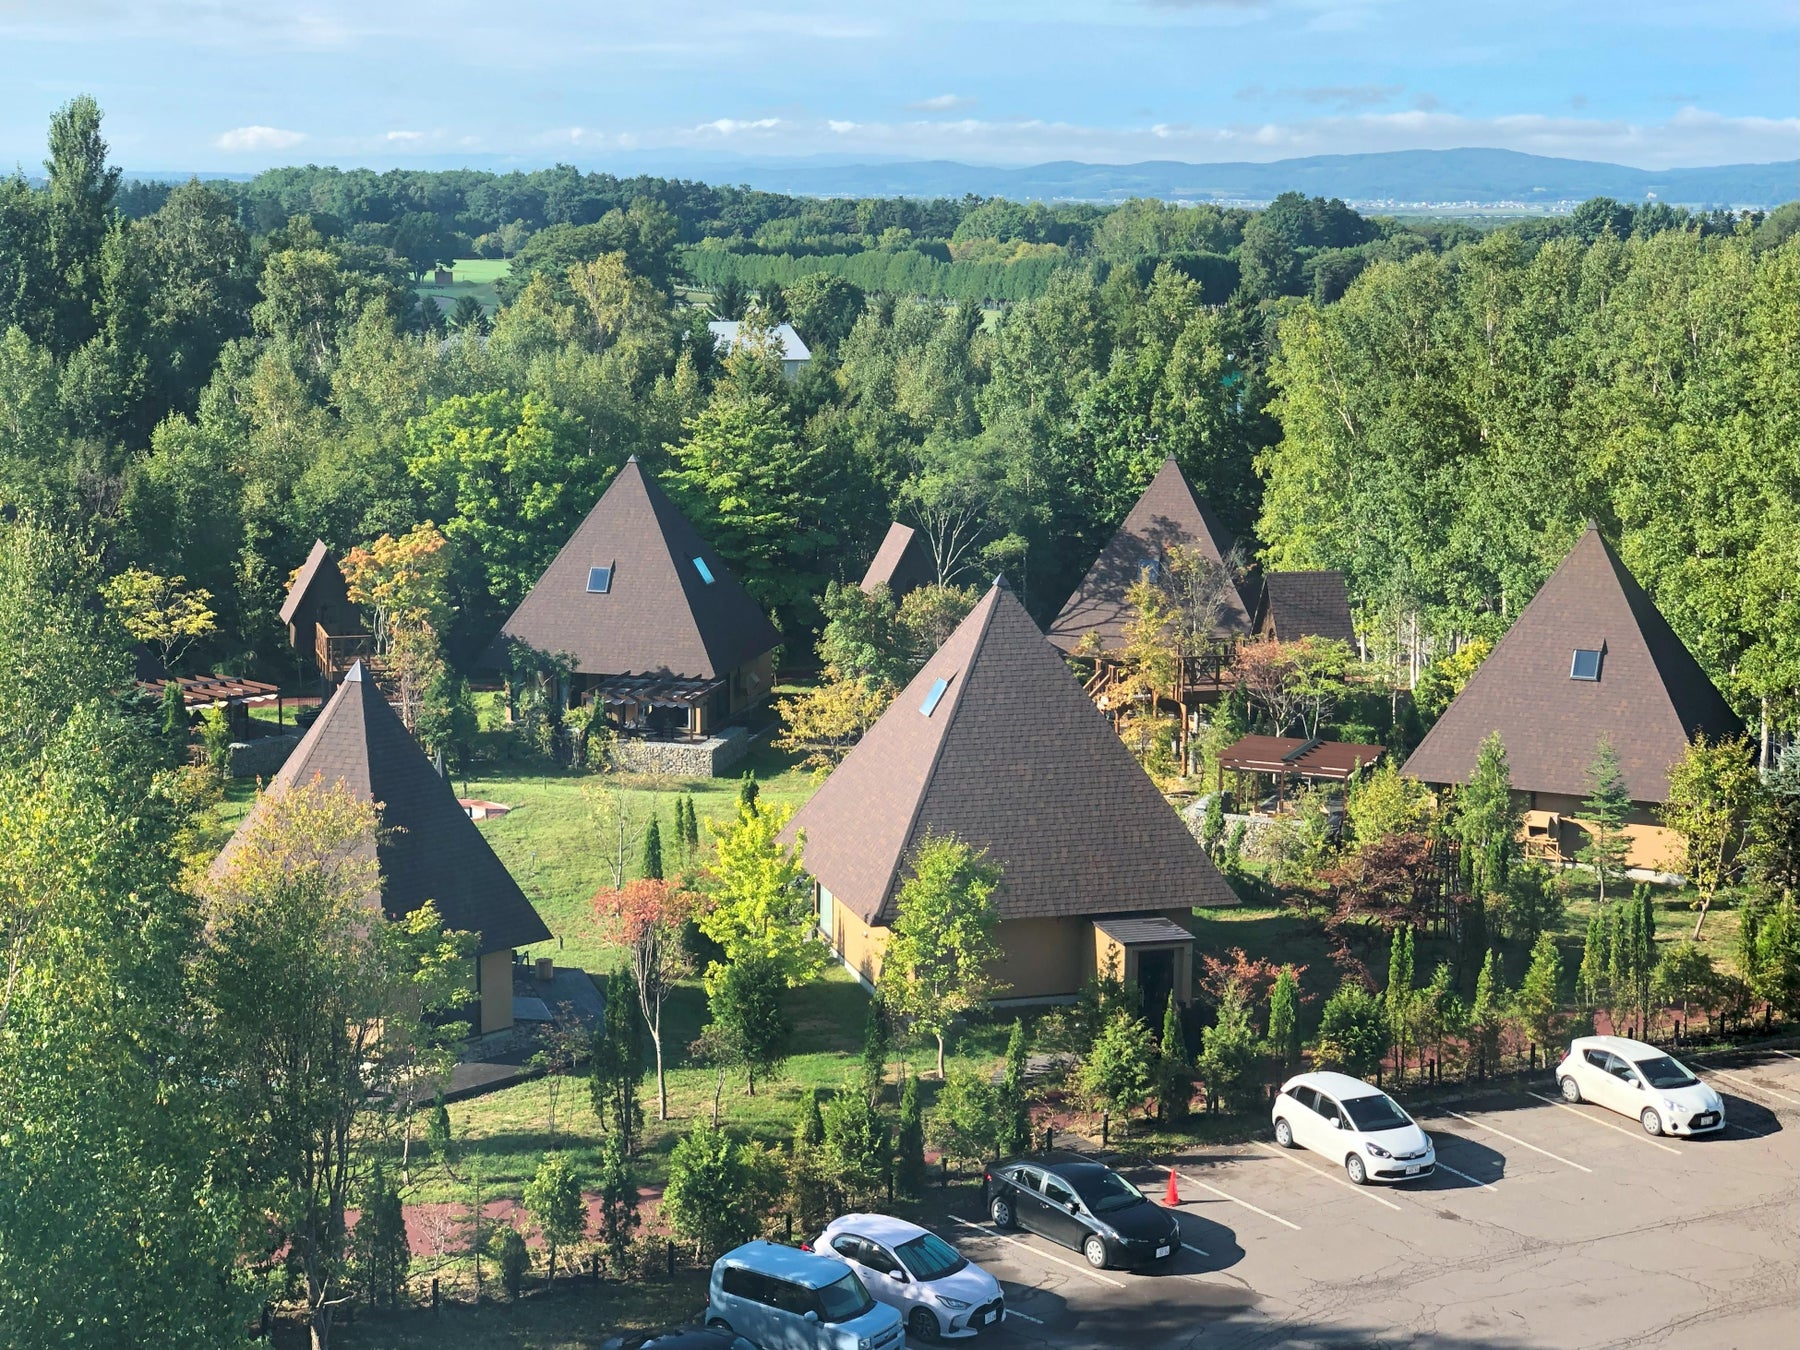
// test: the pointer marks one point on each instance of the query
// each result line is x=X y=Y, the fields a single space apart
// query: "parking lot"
x=1545 y=1225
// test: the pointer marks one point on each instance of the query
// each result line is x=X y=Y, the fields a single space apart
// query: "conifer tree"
x=1488 y=1012
x=1175 y=1071
x=1399 y=996
x=652 y=866
x=1012 y=1132
x=874 y=1049
x=1284 y=1019
x=1539 y=990
x=1592 y=975
x=748 y=792
x=809 y=1129
x=1604 y=811
x=909 y=1144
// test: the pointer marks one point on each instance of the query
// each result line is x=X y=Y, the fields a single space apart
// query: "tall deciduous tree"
x=1713 y=791
x=553 y=1199
x=936 y=965
x=646 y=917
x=758 y=902
x=317 y=1007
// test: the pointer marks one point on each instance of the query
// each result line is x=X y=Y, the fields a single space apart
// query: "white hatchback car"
x=1352 y=1123
x=934 y=1288
x=1639 y=1080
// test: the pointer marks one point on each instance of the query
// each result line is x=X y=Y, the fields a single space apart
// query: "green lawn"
x=474 y=276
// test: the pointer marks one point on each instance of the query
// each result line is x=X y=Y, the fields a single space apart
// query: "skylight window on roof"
x=599 y=580
x=704 y=571
x=1151 y=570
x=1585 y=664
x=932 y=699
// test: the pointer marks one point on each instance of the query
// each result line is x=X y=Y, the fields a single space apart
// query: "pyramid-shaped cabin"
x=902 y=563
x=1590 y=656
x=1167 y=516
x=995 y=742
x=428 y=848
x=657 y=628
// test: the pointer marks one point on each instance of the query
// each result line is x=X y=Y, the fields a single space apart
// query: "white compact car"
x=1639 y=1080
x=1350 y=1122
x=914 y=1271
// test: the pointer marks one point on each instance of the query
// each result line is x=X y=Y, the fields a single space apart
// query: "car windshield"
x=1663 y=1072
x=1103 y=1192
x=845 y=1299
x=929 y=1257
x=1372 y=1114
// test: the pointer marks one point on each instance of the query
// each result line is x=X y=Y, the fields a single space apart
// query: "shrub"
x=515 y=1259
x=1119 y=1073
x=1353 y=1032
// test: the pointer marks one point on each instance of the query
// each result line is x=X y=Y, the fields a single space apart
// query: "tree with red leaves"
x=1379 y=882
x=1254 y=976
x=646 y=918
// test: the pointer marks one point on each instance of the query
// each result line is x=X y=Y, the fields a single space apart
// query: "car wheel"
x=1651 y=1121
x=1284 y=1133
x=1095 y=1251
x=1359 y=1175
x=1001 y=1211
x=922 y=1324
x=1571 y=1090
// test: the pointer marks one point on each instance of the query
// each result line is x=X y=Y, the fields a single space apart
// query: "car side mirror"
x=897 y=1276
x=809 y=1316
x=1638 y=1083
x=1337 y=1123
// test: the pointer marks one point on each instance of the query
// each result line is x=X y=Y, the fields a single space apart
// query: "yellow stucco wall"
x=1651 y=844
x=1040 y=958
x=496 y=991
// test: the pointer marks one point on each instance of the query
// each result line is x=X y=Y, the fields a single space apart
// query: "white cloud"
x=404 y=136
x=841 y=128
x=731 y=126
x=258 y=138
x=942 y=103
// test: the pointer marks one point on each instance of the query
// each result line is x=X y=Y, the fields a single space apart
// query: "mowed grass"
x=474 y=276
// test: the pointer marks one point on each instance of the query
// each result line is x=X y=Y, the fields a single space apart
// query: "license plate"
x=1162 y=1252
x=989 y=1319
x=1705 y=1119
x=1412 y=1171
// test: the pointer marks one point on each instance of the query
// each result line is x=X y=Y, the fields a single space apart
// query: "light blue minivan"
x=782 y=1298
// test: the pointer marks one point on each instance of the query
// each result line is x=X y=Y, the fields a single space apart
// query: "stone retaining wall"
x=683 y=759
x=262 y=757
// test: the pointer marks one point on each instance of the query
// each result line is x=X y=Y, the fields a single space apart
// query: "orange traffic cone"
x=1173 y=1198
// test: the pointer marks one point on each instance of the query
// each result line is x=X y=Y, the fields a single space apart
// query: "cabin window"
x=704 y=571
x=1585 y=665
x=929 y=706
x=599 y=580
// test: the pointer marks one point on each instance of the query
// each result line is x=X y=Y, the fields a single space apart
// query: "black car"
x=678 y=1338
x=1083 y=1205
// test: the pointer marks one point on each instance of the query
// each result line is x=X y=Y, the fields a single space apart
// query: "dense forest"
x=204 y=377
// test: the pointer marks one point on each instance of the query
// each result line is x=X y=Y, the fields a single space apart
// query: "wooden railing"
x=335 y=653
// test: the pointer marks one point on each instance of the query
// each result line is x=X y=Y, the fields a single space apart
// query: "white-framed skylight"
x=1585 y=664
x=600 y=579
x=704 y=571
x=934 y=696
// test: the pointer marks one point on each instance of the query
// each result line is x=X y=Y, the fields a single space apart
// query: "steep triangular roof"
x=1650 y=698
x=660 y=615
x=1013 y=757
x=902 y=563
x=1305 y=604
x=429 y=849
x=1167 y=514
x=319 y=569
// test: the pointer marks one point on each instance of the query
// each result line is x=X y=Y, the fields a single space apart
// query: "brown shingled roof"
x=1167 y=514
x=429 y=848
x=320 y=568
x=1305 y=604
x=661 y=616
x=1650 y=698
x=903 y=563
x=1014 y=758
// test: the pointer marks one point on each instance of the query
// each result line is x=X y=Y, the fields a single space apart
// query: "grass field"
x=474 y=276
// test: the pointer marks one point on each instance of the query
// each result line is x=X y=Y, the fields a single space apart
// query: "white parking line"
x=1521 y=1143
x=1088 y=1271
x=1755 y=1086
x=1329 y=1176
x=1754 y=1134
x=1234 y=1200
x=1638 y=1135
x=1189 y=1247
x=1014 y=1312
x=1789 y=1053
x=1446 y=1167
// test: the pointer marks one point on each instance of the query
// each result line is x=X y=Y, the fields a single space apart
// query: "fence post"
x=596 y=1265
x=671 y=1257
x=1049 y=1137
x=788 y=1224
x=1105 y=1126
x=1378 y=1074
x=1531 y=1056
x=436 y=1303
x=890 y=1188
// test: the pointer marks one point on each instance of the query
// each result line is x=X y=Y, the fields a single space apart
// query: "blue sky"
x=243 y=84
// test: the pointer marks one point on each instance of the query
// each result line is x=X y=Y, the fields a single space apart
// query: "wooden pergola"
x=633 y=694
x=1308 y=759
x=234 y=695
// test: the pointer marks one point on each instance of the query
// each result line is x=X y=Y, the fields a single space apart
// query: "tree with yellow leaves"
x=161 y=612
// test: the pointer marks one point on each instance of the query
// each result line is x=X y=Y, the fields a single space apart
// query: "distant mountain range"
x=1397 y=179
